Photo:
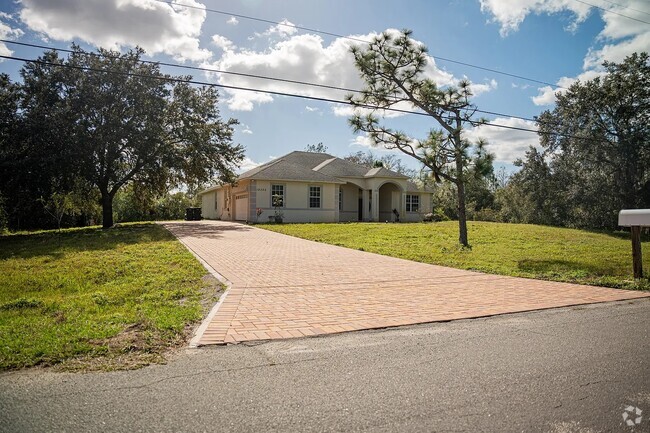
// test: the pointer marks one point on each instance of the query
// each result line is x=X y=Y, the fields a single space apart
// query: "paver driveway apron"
x=285 y=287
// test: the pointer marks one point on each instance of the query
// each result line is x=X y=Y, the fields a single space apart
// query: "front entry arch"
x=390 y=198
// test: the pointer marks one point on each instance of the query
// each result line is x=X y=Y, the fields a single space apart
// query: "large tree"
x=124 y=121
x=597 y=139
x=393 y=69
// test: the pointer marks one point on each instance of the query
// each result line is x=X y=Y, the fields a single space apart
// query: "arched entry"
x=390 y=197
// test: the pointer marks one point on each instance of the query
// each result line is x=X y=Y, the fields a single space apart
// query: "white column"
x=375 y=205
x=402 y=208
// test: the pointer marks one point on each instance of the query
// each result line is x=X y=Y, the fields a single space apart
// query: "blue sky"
x=555 y=41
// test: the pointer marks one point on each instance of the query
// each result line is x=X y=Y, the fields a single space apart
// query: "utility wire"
x=606 y=10
x=248 y=89
x=322 y=32
x=626 y=7
x=262 y=77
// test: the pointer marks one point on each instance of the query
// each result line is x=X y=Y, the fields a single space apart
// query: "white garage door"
x=241 y=207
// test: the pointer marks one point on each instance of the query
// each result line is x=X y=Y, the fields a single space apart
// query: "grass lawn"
x=532 y=251
x=97 y=299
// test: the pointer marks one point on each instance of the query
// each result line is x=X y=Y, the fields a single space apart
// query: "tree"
x=389 y=161
x=597 y=139
x=36 y=158
x=393 y=68
x=316 y=148
x=132 y=124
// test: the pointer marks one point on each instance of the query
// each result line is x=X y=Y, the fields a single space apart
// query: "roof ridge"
x=324 y=163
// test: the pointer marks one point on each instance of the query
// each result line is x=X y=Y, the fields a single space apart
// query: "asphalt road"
x=563 y=370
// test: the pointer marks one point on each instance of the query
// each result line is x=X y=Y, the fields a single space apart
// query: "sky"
x=551 y=43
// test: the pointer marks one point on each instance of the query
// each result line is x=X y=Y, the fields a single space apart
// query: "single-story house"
x=317 y=187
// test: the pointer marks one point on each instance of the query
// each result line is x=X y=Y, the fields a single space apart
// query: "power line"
x=606 y=10
x=322 y=32
x=262 y=77
x=248 y=89
x=626 y=7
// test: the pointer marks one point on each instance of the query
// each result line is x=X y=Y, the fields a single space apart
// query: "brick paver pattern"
x=285 y=287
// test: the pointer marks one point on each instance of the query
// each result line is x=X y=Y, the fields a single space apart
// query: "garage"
x=241 y=207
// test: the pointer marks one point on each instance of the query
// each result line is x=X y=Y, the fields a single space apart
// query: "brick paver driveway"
x=284 y=287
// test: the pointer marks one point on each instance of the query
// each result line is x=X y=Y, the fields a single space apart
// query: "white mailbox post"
x=635 y=219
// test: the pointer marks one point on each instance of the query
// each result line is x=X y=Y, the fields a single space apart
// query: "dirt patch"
x=138 y=345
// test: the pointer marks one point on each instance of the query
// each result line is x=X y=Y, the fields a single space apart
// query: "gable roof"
x=294 y=166
x=383 y=172
x=319 y=167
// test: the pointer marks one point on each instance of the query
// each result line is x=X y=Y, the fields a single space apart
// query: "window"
x=277 y=195
x=412 y=203
x=340 y=198
x=314 y=196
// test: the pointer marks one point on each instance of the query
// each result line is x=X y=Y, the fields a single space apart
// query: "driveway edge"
x=198 y=333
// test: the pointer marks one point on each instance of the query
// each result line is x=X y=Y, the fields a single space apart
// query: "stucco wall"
x=208 y=210
x=296 y=207
x=350 y=208
x=425 y=207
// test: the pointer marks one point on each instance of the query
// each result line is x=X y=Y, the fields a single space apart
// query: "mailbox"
x=635 y=219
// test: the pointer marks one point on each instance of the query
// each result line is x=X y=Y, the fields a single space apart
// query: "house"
x=317 y=187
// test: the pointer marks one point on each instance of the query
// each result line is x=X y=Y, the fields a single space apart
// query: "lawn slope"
x=94 y=298
x=531 y=251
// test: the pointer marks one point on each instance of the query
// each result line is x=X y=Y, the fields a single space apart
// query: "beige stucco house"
x=317 y=187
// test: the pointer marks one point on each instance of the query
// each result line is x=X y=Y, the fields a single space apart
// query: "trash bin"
x=193 y=214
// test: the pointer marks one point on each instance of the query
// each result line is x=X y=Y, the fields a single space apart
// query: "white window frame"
x=319 y=196
x=284 y=194
x=410 y=203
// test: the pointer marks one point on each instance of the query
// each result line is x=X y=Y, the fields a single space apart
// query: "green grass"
x=550 y=253
x=94 y=298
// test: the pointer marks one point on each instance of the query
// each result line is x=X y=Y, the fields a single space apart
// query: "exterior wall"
x=208 y=209
x=385 y=194
x=296 y=207
x=426 y=201
x=350 y=208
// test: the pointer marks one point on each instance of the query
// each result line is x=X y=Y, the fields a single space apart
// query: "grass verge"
x=531 y=251
x=87 y=299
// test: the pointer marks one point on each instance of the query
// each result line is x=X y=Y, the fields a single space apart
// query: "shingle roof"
x=289 y=167
x=341 y=168
x=383 y=172
x=318 y=167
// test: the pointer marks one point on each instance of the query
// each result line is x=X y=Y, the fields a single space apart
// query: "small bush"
x=436 y=216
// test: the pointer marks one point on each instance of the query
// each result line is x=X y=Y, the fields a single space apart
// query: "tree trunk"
x=107 y=209
x=462 y=217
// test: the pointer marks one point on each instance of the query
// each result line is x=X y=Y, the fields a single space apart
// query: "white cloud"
x=246 y=129
x=303 y=58
x=311 y=109
x=510 y=14
x=479 y=88
x=624 y=32
x=157 y=27
x=232 y=21
x=362 y=141
x=248 y=164
x=506 y=144
x=283 y=29
x=9 y=33
x=224 y=43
